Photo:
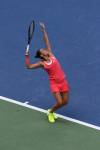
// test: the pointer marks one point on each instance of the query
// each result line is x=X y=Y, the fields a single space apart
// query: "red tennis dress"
x=58 y=82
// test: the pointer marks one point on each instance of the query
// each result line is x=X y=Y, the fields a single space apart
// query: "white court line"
x=26 y=102
x=44 y=111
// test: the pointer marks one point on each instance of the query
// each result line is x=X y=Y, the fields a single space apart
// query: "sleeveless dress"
x=57 y=78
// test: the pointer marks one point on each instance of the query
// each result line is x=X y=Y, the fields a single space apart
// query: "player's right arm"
x=39 y=64
x=45 y=37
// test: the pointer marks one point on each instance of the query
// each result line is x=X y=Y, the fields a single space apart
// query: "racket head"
x=31 y=31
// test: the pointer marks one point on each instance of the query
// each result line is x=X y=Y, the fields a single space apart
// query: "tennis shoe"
x=50 y=117
x=54 y=114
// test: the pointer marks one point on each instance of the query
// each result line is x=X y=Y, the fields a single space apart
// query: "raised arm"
x=39 y=64
x=45 y=37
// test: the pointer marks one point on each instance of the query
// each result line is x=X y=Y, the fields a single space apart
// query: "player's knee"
x=60 y=103
x=65 y=102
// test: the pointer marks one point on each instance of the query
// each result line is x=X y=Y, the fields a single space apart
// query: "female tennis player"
x=58 y=83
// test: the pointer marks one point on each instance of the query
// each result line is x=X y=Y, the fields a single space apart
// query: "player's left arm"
x=45 y=37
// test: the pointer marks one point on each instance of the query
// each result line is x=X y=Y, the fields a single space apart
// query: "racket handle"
x=27 y=49
x=27 y=60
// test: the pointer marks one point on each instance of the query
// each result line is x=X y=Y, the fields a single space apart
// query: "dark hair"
x=38 y=53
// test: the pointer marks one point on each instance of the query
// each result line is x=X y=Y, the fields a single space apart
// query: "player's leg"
x=51 y=115
x=65 y=97
x=59 y=101
x=64 y=91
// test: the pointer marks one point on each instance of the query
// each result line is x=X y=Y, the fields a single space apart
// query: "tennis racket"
x=31 y=29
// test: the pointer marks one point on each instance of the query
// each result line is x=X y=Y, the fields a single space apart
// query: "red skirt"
x=59 y=86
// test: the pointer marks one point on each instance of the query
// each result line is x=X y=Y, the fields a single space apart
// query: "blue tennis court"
x=73 y=27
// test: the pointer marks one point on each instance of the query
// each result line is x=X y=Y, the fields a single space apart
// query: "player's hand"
x=42 y=26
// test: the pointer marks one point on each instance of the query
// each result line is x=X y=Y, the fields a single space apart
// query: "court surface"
x=23 y=128
x=73 y=27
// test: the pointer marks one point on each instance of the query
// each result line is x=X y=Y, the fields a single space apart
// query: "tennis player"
x=58 y=83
